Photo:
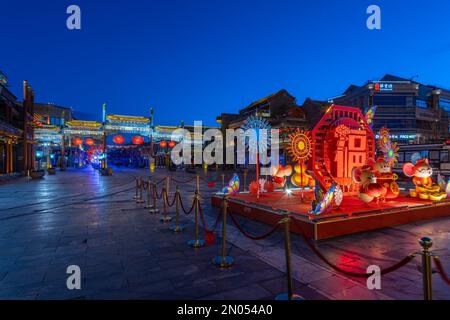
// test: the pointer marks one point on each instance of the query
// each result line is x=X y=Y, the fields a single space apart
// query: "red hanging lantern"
x=137 y=140
x=77 y=141
x=163 y=144
x=172 y=144
x=89 y=141
x=118 y=139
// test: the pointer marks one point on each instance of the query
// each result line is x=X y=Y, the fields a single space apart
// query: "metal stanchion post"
x=287 y=248
x=140 y=199
x=154 y=210
x=177 y=227
x=223 y=180
x=426 y=244
x=168 y=184
x=165 y=198
x=224 y=261
x=197 y=184
x=245 y=180
x=149 y=195
x=196 y=243
x=136 y=190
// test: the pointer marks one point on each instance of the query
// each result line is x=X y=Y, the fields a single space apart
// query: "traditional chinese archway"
x=342 y=140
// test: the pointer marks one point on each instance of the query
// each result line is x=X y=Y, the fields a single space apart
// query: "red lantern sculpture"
x=163 y=144
x=118 y=139
x=343 y=140
x=172 y=144
x=89 y=141
x=137 y=140
x=77 y=141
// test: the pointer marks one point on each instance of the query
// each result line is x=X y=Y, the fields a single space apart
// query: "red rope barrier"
x=166 y=198
x=183 y=208
x=204 y=222
x=161 y=180
x=265 y=235
x=390 y=269
x=160 y=195
x=441 y=270
x=182 y=182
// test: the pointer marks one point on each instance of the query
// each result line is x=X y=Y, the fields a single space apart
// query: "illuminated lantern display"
x=300 y=147
x=383 y=165
x=118 y=139
x=172 y=144
x=137 y=140
x=279 y=175
x=342 y=140
x=301 y=178
x=163 y=144
x=77 y=141
x=233 y=186
x=89 y=141
x=257 y=143
x=421 y=172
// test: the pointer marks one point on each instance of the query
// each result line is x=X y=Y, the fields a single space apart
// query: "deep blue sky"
x=193 y=59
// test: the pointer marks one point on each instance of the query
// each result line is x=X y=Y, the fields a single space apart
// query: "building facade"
x=51 y=114
x=16 y=129
x=414 y=112
x=279 y=109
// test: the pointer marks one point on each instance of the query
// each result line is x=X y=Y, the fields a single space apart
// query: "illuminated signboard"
x=379 y=86
x=400 y=136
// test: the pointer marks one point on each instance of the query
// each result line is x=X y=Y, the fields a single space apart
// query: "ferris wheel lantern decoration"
x=300 y=147
x=258 y=138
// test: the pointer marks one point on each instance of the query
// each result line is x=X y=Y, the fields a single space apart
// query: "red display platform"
x=352 y=217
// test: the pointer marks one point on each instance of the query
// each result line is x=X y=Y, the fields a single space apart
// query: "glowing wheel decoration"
x=300 y=148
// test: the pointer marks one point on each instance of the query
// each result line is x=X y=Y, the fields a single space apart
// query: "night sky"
x=193 y=59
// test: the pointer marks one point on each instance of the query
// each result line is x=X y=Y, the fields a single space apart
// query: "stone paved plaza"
x=80 y=218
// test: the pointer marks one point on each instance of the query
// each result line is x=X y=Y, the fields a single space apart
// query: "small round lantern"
x=137 y=140
x=77 y=141
x=118 y=139
x=89 y=141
